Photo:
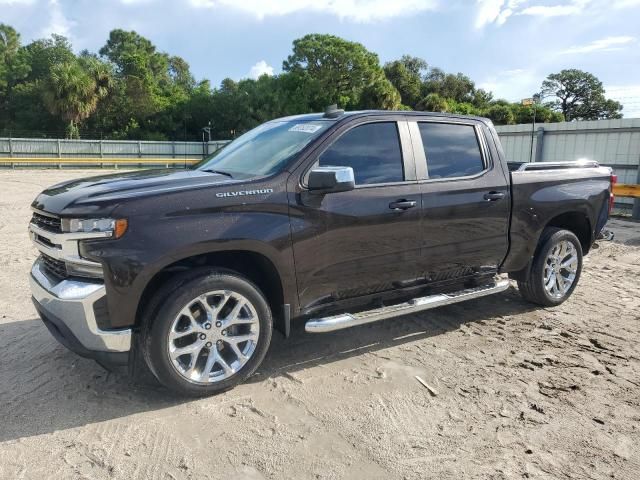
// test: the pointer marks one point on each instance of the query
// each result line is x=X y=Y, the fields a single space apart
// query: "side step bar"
x=346 y=320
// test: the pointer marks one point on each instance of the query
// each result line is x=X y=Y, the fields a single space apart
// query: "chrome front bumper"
x=68 y=304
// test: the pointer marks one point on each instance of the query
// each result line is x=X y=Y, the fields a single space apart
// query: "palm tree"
x=73 y=89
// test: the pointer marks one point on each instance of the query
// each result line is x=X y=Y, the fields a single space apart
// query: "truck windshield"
x=265 y=149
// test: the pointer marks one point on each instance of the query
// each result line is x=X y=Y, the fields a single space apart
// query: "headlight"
x=117 y=227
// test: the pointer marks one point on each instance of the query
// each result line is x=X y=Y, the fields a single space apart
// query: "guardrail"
x=93 y=162
x=626 y=190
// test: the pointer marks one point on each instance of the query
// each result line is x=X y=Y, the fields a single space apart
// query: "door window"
x=452 y=150
x=372 y=150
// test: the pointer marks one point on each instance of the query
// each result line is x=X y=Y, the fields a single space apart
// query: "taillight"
x=612 y=197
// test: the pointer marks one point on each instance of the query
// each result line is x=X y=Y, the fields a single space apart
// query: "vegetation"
x=130 y=90
x=579 y=96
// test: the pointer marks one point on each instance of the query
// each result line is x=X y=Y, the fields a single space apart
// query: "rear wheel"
x=208 y=334
x=556 y=268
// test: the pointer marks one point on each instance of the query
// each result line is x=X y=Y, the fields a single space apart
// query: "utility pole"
x=531 y=102
x=206 y=130
x=635 y=213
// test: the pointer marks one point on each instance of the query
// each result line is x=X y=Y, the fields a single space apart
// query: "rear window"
x=452 y=150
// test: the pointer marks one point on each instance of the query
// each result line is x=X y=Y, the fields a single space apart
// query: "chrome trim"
x=64 y=246
x=346 y=320
x=71 y=301
x=43 y=213
x=558 y=165
x=408 y=159
x=418 y=150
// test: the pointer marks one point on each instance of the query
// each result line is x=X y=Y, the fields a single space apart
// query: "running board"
x=346 y=320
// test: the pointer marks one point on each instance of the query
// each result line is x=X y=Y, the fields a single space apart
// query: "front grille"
x=54 y=267
x=46 y=222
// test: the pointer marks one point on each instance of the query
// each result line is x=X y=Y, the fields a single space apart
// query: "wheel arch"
x=255 y=266
x=574 y=221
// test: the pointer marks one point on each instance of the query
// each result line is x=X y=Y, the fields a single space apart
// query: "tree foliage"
x=406 y=76
x=73 y=88
x=131 y=90
x=341 y=72
x=579 y=96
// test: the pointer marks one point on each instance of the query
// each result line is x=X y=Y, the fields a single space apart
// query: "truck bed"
x=542 y=192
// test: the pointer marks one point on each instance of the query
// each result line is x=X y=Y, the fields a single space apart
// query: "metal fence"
x=31 y=152
x=613 y=143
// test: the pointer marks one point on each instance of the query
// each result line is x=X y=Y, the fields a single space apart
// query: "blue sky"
x=507 y=46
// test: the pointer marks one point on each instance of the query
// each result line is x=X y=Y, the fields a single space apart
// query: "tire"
x=549 y=259
x=196 y=350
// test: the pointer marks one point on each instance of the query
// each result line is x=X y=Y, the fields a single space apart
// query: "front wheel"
x=207 y=333
x=556 y=268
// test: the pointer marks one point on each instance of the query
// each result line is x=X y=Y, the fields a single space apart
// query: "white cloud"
x=488 y=12
x=495 y=11
x=625 y=3
x=498 y=11
x=603 y=45
x=259 y=69
x=357 y=10
x=16 y=2
x=58 y=23
x=574 y=7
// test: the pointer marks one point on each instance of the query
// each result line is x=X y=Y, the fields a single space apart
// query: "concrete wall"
x=614 y=143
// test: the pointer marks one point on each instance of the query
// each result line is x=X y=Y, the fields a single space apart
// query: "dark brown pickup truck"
x=335 y=219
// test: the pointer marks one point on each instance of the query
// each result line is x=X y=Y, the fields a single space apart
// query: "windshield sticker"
x=305 y=127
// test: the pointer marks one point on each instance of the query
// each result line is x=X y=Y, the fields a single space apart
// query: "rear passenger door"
x=364 y=241
x=465 y=198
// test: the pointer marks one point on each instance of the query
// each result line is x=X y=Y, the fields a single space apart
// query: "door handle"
x=402 y=204
x=493 y=196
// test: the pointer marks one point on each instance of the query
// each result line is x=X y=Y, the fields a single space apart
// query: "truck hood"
x=92 y=195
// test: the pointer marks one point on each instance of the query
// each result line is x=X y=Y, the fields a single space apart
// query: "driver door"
x=367 y=240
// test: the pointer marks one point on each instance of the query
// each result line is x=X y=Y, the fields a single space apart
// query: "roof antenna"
x=332 y=111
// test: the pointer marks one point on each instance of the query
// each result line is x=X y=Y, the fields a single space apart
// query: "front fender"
x=150 y=245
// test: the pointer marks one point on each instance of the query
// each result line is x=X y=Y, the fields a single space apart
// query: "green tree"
x=45 y=53
x=151 y=91
x=482 y=98
x=580 y=96
x=337 y=71
x=14 y=64
x=14 y=67
x=381 y=94
x=457 y=86
x=72 y=91
x=500 y=115
x=406 y=76
x=433 y=102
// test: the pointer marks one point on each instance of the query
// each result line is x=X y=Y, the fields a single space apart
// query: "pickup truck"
x=334 y=219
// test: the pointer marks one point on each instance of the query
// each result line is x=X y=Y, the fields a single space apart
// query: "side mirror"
x=331 y=180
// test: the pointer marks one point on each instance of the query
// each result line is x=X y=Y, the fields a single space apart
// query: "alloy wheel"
x=213 y=336
x=560 y=269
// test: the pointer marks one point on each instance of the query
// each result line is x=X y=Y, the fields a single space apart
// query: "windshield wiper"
x=220 y=172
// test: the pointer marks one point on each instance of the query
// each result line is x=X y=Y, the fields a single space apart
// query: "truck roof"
x=364 y=113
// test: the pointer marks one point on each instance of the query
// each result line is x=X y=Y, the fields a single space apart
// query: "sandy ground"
x=522 y=392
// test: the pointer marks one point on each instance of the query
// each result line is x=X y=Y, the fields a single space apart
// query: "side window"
x=372 y=150
x=452 y=150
